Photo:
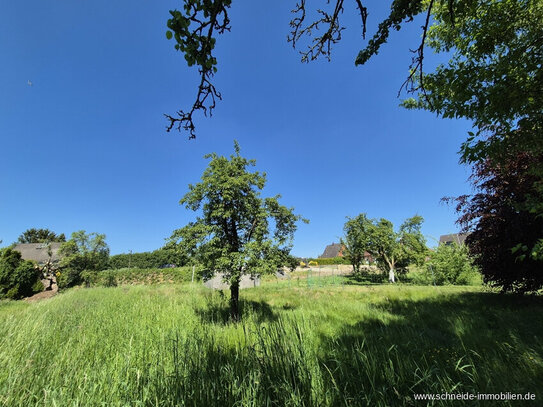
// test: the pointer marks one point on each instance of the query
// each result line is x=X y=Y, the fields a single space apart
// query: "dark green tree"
x=18 y=278
x=40 y=236
x=238 y=232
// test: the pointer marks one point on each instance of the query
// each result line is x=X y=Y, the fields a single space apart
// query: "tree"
x=505 y=229
x=393 y=251
x=83 y=252
x=40 y=236
x=18 y=278
x=238 y=232
x=356 y=239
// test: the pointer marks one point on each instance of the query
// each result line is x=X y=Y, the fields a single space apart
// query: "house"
x=332 y=250
x=47 y=256
x=39 y=252
x=458 y=238
x=337 y=250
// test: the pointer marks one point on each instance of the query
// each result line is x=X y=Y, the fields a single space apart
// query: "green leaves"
x=494 y=75
x=239 y=232
x=389 y=248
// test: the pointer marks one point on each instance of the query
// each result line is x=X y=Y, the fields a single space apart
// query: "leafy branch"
x=208 y=17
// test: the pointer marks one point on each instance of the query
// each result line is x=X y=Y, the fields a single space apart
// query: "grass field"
x=169 y=345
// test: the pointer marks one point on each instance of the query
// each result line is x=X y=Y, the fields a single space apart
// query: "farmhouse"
x=39 y=252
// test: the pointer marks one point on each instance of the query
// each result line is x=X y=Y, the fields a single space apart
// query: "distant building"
x=39 y=252
x=332 y=250
x=337 y=250
x=458 y=238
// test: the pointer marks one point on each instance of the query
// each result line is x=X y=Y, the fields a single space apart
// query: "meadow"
x=333 y=345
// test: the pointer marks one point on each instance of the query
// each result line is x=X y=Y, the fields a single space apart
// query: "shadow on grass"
x=455 y=343
x=458 y=343
x=218 y=312
x=364 y=278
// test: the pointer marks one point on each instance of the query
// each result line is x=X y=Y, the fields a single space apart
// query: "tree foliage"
x=495 y=80
x=238 y=232
x=195 y=28
x=40 y=236
x=18 y=278
x=393 y=251
x=356 y=239
x=82 y=252
x=494 y=77
x=505 y=228
x=451 y=264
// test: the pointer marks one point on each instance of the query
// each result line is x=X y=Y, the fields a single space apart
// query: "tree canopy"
x=494 y=77
x=238 y=232
x=195 y=27
x=393 y=250
x=355 y=240
x=82 y=252
x=18 y=278
x=505 y=228
x=40 y=236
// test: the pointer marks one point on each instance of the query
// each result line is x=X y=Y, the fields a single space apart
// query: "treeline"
x=147 y=260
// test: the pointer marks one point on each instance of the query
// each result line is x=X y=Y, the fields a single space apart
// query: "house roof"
x=332 y=250
x=38 y=251
x=457 y=238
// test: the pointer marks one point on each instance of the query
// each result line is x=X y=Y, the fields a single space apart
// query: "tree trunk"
x=391 y=275
x=234 y=300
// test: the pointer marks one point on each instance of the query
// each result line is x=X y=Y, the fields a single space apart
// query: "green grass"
x=170 y=345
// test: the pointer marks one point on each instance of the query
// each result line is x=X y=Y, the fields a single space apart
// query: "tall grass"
x=331 y=346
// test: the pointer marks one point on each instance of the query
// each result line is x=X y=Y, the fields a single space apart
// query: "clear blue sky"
x=85 y=147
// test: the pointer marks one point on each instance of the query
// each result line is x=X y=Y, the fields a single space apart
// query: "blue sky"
x=85 y=146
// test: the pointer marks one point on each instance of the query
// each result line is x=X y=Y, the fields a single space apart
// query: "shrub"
x=109 y=279
x=18 y=277
x=451 y=264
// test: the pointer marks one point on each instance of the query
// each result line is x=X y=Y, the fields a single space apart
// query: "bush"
x=18 y=277
x=451 y=264
x=38 y=287
x=109 y=279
